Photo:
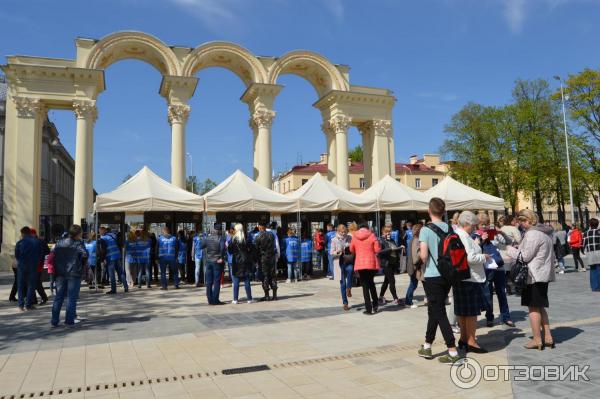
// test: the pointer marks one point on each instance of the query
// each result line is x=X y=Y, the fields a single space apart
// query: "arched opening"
x=219 y=139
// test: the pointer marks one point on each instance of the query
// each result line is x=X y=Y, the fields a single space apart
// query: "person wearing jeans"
x=28 y=253
x=292 y=252
x=197 y=250
x=167 y=251
x=328 y=237
x=144 y=246
x=414 y=266
x=70 y=258
x=343 y=268
x=215 y=253
x=497 y=280
x=113 y=258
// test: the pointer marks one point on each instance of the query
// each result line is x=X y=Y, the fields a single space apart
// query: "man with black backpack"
x=436 y=285
x=267 y=260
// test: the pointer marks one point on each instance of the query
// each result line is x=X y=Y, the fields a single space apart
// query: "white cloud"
x=515 y=12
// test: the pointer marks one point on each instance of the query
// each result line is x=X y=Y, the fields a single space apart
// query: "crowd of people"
x=465 y=262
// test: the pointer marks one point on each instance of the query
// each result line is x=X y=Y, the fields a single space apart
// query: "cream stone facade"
x=420 y=174
x=36 y=84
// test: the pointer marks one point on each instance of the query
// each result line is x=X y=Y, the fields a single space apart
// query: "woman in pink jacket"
x=365 y=245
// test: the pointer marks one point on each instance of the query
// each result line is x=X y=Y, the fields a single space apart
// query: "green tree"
x=583 y=93
x=191 y=184
x=206 y=186
x=356 y=154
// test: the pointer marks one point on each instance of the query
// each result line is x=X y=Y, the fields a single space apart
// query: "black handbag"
x=520 y=272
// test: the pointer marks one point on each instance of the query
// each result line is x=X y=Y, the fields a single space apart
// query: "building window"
x=418 y=182
x=361 y=183
x=304 y=181
x=434 y=182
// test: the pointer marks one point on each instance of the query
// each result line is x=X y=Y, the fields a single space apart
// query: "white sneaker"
x=295 y=281
x=561 y=271
x=413 y=306
x=234 y=302
x=456 y=329
x=288 y=281
x=251 y=301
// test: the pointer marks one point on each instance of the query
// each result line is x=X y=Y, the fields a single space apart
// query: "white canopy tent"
x=320 y=195
x=391 y=195
x=145 y=192
x=459 y=196
x=239 y=193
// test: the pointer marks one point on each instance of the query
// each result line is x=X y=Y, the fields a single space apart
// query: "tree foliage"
x=517 y=148
x=356 y=154
x=192 y=185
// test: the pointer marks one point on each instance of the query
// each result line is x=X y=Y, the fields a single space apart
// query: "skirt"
x=468 y=299
x=535 y=295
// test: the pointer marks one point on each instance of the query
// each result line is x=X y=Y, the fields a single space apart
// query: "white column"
x=331 y=152
x=178 y=115
x=381 y=131
x=85 y=113
x=367 y=144
x=340 y=124
x=263 y=120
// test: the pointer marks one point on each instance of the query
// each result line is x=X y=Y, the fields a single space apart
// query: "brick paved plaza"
x=171 y=344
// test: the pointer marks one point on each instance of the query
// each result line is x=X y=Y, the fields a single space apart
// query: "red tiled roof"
x=357 y=167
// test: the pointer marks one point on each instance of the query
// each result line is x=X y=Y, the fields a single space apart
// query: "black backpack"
x=452 y=255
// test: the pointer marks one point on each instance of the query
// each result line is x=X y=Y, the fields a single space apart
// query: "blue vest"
x=112 y=249
x=197 y=247
x=131 y=252
x=292 y=249
x=143 y=251
x=91 y=249
x=167 y=247
x=328 y=237
x=306 y=250
x=182 y=253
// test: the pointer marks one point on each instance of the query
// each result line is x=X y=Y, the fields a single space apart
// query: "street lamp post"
x=562 y=96
x=187 y=154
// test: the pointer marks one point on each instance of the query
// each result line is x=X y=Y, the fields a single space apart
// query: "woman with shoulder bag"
x=389 y=259
x=414 y=268
x=343 y=265
x=537 y=252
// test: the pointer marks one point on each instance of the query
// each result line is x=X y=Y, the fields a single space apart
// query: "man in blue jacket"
x=28 y=253
x=328 y=237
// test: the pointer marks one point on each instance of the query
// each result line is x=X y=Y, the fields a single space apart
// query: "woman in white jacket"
x=468 y=294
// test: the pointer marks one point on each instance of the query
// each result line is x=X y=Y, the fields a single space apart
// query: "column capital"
x=340 y=123
x=178 y=113
x=379 y=127
x=85 y=109
x=262 y=118
x=28 y=107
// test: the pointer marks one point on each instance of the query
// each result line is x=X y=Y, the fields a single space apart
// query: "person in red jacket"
x=575 y=240
x=319 y=246
x=366 y=246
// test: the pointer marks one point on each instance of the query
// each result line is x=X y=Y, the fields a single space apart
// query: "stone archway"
x=37 y=84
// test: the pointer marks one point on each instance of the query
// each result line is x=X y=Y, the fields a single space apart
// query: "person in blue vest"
x=113 y=259
x=167 y=257
x=292 y=252
x=181 y=253
x=90 y=247
x=144 y=248
x=28 y=253
x=131 y=258
x=197 y=253
x=406 y=241
x=306 y=251
x=328 y=237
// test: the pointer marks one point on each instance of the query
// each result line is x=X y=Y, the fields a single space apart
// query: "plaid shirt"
x=591 y=246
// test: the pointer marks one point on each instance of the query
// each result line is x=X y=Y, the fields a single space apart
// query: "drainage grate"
x=243 y=370
x=210 y=374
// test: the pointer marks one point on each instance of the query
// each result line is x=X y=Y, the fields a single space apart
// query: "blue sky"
x=436 y=55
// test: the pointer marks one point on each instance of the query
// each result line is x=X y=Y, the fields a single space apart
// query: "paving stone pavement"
x=151 y=343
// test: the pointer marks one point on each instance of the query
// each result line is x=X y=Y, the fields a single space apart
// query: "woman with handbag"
x=343 y=263
x=389 y=259
x=535 y=255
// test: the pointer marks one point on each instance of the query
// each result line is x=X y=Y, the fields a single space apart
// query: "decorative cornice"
x=178 y=113
x=85 y=109
x=28 y=107
x=263 y=118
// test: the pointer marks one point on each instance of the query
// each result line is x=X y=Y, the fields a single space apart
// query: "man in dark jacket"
x=267 y=260
x=70 y=258
x=28 y=254
x=214 y=256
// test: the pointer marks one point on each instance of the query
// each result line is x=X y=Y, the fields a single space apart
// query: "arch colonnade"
x=37 y=84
